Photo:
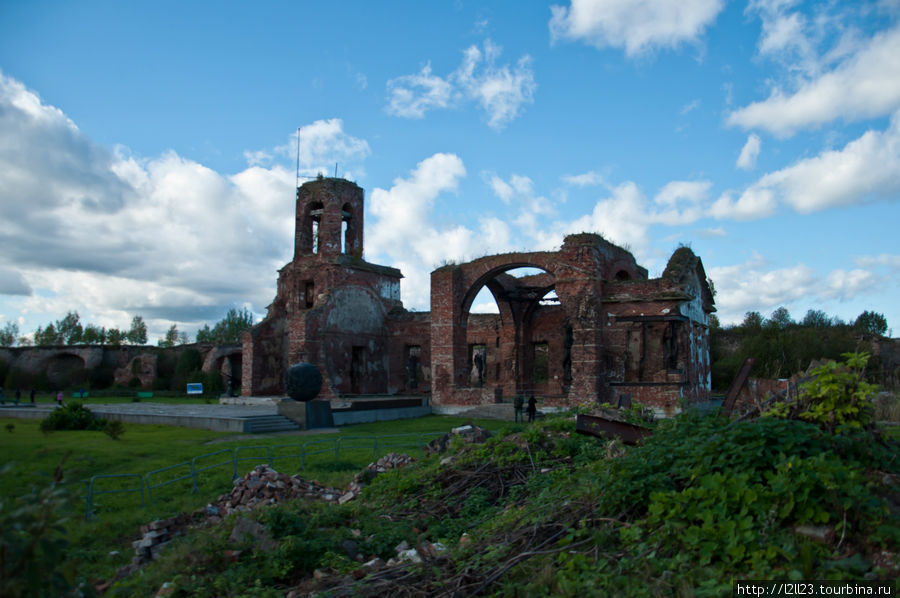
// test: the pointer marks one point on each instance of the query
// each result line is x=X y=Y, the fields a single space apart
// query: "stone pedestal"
x=309 y=414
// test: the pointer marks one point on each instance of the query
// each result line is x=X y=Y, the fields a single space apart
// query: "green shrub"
x=72 y=416
x=837 y=397
x=114 y=429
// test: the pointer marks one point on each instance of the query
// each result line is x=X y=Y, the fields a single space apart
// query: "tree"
x=9 y=334
x=172 y=337
x=228 y=330
x=871 y=322
x=114 y=337
x=816 y=318
x=47 y=337
x=69 y=329
x=93 y=335
x=752 y=321
x=205 y=335
x=137 y=334
x=780 y=319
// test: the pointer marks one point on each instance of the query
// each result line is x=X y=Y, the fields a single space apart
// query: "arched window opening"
x=623 y=275
x=315 y=218
x=347 y=232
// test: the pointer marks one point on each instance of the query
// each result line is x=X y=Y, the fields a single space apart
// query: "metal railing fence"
x=230 y=458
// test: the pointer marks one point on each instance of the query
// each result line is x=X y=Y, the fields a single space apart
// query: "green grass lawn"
x=31 y=457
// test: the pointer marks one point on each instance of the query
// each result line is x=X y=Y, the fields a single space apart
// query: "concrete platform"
x=220 y=418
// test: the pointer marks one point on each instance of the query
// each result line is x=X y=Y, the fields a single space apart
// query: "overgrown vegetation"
x=783 y=347
x=33 y=544
x=537 y=510
x=809 y=491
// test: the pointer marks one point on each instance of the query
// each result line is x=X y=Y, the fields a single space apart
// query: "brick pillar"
x=248 y=383
x=448 y=335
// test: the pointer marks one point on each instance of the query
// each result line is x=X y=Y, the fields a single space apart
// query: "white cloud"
x=324 y=142
x=401 y=232
x=749 y=153
x=690 y=107
x=501 y=188
x=866 y=169
x=587 y=179
x=785 y=34
x=865 y=84
x=500 y=90
x=637 y=26
x=678 y=191
x=752 y=286
x=411 y=96
x=625 y=215
x=711 y=233
x=114 y=235
x=891 y=261
x=623 y=218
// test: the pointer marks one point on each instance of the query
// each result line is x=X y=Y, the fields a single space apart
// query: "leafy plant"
x=114 y=429
x=837 y=396
x=33 y=544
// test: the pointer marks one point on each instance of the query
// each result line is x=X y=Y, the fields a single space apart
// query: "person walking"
x=532 y=409
x=518 y=403
x=59 y=398
x=32 y=396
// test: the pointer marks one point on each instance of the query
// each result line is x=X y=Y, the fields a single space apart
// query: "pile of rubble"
x=470 y=434
x=261 y=486
x=154 y=537
x=383 y=465
x=265 y=486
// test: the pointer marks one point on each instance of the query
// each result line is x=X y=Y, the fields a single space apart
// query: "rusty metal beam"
x=736 y=385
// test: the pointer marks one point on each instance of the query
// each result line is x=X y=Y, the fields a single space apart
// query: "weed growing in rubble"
x=836 y=397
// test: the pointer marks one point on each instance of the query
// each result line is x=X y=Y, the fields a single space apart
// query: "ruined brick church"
x=589 y=328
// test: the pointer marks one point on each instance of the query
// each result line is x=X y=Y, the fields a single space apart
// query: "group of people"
x=18 y=396
x=519 y=403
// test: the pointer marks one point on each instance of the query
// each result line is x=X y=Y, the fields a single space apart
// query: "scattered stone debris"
x=330 y=578
x=265 y=486
x=154 y=538
x=261 y=486
x=469 y=433
x=383 y=465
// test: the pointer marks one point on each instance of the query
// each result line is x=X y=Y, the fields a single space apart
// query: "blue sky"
x=148 y=150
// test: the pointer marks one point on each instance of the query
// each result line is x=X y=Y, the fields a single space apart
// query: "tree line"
x=70 y=331
x=783 y=347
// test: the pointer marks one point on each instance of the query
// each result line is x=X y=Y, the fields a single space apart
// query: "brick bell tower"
x=329 y=219
x=330 y=305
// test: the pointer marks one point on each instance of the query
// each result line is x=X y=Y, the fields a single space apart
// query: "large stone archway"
x=576 y=273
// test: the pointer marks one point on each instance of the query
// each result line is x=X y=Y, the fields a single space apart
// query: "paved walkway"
x=212 y=416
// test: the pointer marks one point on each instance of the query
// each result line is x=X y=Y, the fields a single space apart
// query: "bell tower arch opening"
x=329 y=218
